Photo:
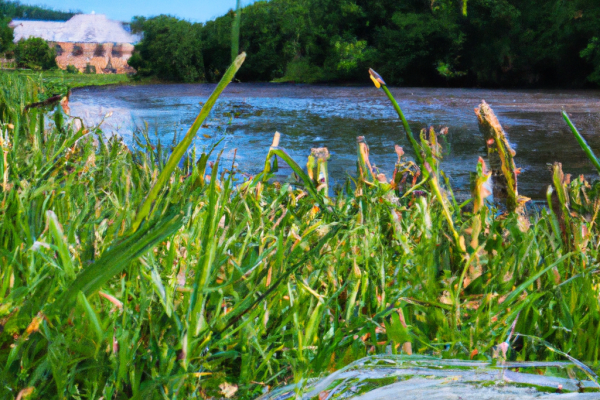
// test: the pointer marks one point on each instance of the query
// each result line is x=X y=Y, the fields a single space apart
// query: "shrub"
x=90 y=69
x=300 y=70
x=71 y=69
x=35 y=53
x=58 y=49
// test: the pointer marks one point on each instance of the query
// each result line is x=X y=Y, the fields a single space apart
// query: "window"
x=77 y=50
x=99 y=51
x=117 y=51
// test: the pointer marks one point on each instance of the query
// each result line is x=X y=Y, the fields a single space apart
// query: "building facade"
x=89 y=42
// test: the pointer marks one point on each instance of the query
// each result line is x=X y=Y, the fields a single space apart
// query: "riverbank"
x=59 y=82
x=146 y=271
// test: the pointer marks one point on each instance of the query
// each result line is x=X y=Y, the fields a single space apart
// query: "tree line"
x=504 y=43
x=551 y=43
x=14 y=9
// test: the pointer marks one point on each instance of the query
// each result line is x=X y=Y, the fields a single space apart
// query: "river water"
x=247 y=115
x=393 y=377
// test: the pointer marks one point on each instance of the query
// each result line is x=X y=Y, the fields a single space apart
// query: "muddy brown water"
x=247 y=115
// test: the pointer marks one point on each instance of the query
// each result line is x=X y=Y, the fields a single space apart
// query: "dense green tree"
x=418 y=42
x=14 y=9
x=511 y=42
x=592 y=53
x=170 y=49
x=6 y=36
x=35 y=53
x=413 y=42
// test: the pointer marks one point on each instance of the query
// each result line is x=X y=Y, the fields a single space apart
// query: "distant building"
x=86 y=41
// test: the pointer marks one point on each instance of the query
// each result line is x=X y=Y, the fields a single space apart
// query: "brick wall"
x=118 y=58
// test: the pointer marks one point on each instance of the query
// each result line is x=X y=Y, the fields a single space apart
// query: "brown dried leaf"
x=228 y=390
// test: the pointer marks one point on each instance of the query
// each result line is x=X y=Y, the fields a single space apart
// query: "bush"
x=35 y=53
x=71 y=69
x=90 y=69
x=301 y=70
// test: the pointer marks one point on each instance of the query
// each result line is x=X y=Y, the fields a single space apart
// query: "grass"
x=59 y=82
x=151 y=272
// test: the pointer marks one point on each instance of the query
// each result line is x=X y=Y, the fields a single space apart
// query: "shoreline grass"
x=59 y=82
x=230 y=287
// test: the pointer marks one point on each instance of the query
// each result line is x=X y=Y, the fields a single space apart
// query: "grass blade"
x=582 y=142
x=181 y=148
x=118 y=258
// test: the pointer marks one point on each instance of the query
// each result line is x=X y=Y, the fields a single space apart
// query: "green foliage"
x=71 y=69
x=90 y=69
x=10 y=10
x=396 y=330
x=171 y=49
x=254 y=282
x=180 y=150
x=592 y=53
x=59 y=82
x=34 y=53
x=445 y=70
x=14 y=9
x=6 y=36
x=301 y=71
x=413 y=42
x=350 y=54
x=235 y=31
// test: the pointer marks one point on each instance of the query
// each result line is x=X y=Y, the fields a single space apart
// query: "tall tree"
x=413 y=42
x=35 y=53
x=14 y=9
x=170 y=49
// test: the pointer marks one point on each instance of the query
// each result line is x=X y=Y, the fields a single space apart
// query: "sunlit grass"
x=212 y=285
x=58 y=81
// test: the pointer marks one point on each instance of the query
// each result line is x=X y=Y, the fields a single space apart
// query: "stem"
x=179 y=151
x=409 y=133
x=584 y=145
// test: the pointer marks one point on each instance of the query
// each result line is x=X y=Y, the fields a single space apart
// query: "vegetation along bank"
x=151 y=271
x=491 y=43
x=508 y=43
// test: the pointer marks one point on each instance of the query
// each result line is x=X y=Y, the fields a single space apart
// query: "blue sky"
x=123 y=10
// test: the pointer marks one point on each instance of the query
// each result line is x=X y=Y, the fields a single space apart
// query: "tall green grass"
x=128 y=273
x=58 y=82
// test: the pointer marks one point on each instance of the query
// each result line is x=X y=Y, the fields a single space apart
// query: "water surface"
x=247 y=115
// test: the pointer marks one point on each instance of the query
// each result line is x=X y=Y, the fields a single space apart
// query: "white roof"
x=82 y=28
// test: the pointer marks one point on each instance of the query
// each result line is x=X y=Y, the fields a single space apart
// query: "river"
x=247 y=115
